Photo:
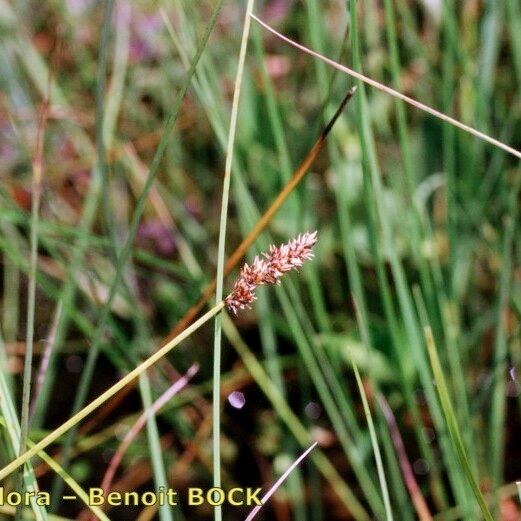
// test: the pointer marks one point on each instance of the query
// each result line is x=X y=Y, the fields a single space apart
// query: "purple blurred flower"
x=276 y=10
x=155 y=235
x=144 y=41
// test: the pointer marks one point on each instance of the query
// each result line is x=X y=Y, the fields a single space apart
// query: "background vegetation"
x=110 y=203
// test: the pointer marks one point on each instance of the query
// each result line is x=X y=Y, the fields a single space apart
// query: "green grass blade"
x=156 y=455
x=12 y=425
x=450 y=417
x=376 y=447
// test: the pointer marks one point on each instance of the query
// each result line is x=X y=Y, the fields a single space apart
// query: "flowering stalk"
x=269 y=268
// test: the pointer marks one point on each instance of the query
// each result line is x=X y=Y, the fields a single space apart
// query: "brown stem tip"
x=269 y=268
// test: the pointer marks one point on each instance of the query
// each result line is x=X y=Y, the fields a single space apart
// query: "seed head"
x=269 y=268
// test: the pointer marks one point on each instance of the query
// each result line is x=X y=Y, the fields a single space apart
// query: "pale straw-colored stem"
x=279 y=482
x=391 y=92
x=100 y=400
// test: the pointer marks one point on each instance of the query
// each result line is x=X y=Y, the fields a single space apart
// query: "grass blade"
x=374 y=442
x=31 y=294
x=156 y=455
x=11 y=422
x=449 y=415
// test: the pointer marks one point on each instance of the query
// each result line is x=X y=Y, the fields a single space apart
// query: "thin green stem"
x=100 y=116
x=448 y=409
x=376 y=448
x=9 y=419
x=216 y=403
x=31 y=294
x=166 y=513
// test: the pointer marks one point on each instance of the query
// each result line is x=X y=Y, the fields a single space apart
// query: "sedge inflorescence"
x=268 y=269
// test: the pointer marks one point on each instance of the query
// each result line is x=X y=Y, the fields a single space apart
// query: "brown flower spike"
x=269 y=268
